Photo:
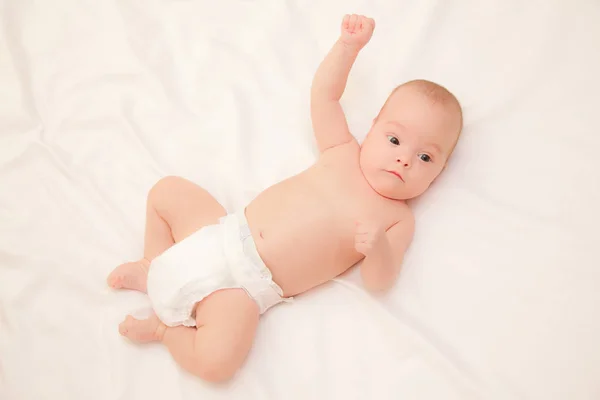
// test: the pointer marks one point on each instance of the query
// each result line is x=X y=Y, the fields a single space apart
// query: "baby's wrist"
x=349 y=46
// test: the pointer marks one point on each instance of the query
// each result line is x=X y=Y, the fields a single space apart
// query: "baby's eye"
x=425 y=157
x=393 y=140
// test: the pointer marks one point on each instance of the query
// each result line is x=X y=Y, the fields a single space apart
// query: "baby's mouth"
x=397 y=174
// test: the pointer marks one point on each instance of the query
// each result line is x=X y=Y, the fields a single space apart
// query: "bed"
x=498 y=297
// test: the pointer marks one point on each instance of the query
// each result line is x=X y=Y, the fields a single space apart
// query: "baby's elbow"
x=379 y=287
x=378 y=284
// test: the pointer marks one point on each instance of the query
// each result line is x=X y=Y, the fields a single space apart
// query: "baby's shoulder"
x=344 y=153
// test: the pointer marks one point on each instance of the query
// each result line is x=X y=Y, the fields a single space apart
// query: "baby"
x=210 y=275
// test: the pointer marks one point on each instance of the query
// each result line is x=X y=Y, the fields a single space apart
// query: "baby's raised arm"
x=328 y=119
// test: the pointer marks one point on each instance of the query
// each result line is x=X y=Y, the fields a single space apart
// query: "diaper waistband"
x=248 y=246
x=247 y=240
x=265 y=296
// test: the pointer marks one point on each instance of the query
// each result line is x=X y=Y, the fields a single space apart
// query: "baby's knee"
x=215 y=369
x=163 y=187
x=218 y=362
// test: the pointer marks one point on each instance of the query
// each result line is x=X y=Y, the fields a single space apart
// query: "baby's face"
x=408 y=144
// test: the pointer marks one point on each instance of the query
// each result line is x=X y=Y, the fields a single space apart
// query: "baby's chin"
x=397 y=192
x=392 y=195
x=390 y=192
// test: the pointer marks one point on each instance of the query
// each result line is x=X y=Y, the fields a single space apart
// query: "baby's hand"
x=369 y=236
x=357 y=30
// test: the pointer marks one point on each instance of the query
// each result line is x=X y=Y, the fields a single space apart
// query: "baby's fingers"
x=362 y=229
x=345 y=22
x=363 y=237
x=360 y=237
x=352 y=23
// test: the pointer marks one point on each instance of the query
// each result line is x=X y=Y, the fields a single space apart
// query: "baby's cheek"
x=423 y=182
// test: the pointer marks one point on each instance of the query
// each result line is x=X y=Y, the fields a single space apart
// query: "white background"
x=499 y=295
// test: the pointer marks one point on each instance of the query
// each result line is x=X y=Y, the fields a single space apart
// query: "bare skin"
x=349 y=206
x=131 y=275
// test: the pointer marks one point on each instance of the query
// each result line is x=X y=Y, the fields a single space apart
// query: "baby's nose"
x=399 y=161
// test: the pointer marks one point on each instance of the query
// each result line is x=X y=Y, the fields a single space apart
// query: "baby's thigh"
x=185 y=206
x=227 y=321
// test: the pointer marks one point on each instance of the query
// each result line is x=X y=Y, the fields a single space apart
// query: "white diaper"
x=220 y=256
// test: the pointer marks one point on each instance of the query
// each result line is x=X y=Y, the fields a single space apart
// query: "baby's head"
x=411 y=139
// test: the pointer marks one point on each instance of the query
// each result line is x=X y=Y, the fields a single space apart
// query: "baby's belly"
x=301 y=238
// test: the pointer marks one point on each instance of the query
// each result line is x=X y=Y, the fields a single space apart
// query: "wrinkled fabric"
x=498 y=295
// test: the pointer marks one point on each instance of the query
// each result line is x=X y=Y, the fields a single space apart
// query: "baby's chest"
x=349 y=199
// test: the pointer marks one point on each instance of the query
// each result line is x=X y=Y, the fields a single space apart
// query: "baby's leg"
x=175 y=209
x=226 y=322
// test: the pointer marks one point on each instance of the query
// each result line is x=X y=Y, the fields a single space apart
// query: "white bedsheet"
x=498 y=297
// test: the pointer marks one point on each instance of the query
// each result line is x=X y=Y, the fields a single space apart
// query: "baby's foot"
x=142 y=330
x=132 y=275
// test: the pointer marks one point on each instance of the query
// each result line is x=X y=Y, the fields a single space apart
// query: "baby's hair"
x=436 y=93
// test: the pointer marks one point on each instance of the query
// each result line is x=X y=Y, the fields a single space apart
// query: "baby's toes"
x=132 y=275
x=115 y=278
x=140 y=330
x=125 y=325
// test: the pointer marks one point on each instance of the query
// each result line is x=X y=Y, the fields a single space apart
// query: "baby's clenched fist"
x=369 y=236
x=357 y=30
